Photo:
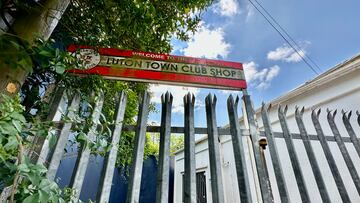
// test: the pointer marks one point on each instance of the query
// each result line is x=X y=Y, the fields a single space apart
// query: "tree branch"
x=17 y=175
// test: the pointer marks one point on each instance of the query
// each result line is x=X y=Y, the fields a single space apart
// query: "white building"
x=337 y=88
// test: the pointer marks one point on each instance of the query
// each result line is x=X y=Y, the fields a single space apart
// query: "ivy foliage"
x=15 y=167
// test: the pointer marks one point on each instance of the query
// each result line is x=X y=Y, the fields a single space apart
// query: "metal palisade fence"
x=52 y=158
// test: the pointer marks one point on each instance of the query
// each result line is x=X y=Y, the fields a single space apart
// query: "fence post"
x=82 y=161
x=351 y=132
x=189 y=150
x=62 y=139
x=343 y=150
x=40 y=142
x=311 y=155
x=162 y=190
x=239 y=153
x=214 y=151
x=133 y=193
x=293 y=157
x=284 y=196
x=329 y=157
x=110 y=158
x=264 y=181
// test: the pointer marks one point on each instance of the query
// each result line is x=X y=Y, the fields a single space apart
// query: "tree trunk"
x=39 y=23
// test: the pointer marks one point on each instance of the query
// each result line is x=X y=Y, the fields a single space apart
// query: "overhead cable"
x=286 y=40
x=288 y=35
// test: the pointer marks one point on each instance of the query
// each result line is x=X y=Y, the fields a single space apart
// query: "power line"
x=286 y=40
x=288 y=35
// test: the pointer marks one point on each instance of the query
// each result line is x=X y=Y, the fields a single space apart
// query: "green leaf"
x=52 y=140
x=39 y=168
x=8 y=129
x=34 y=178
x=43 y=196
x=32 y=199
x=45 y=53
x=18 y=116
x=60 y=69
x=24 y=168
x=81 y=137
x=12 y=143
x=17 y=125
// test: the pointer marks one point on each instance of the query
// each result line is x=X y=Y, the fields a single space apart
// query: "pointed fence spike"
x=285 y=110
x=171 y=98
x=134 y=182
x=239 y=153
x=162 y=98
x=313 y=112
x=349 y=115
x=302 y=110
x=279 y=108
x=329 y=157
x=230 y=101
x=292 y=153
x=237 y=101
x=343 y=150
x=214 y=150
x=110 y=158
x=193 y=99
x=311 y=156
x=207 y=99
x=269 y=107
x=263 y=106
x=168 y=95
x=214 y=99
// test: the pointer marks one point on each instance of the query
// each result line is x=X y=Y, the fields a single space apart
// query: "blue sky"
x=327 y=31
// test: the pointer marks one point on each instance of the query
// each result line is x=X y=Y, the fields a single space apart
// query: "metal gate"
x=213 y=131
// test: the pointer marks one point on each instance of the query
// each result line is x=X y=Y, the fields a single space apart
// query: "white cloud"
x=153 y=123
x=226 y=8
x=207 y=43
x=260 y=79
x=178 y=93
x=233 y=92
x=249 y=12
x=287 y=54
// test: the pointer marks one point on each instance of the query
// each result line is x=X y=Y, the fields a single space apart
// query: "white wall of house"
x=338 y=88
x=202 y=164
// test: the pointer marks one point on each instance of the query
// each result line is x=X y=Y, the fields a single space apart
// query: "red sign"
x=159 y=68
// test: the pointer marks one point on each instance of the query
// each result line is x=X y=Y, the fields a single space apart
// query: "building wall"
x=230 y=184
x=338 y=88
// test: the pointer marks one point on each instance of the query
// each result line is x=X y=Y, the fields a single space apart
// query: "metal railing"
x=213 y=132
